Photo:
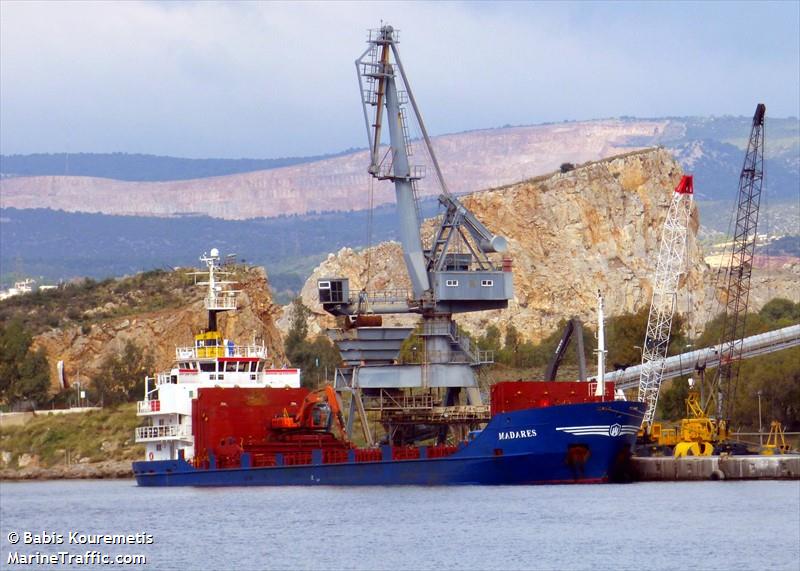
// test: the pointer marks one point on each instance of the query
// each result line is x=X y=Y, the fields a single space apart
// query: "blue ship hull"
x=577 y=443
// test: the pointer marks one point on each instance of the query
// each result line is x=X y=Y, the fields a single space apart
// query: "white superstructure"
x=212 y=361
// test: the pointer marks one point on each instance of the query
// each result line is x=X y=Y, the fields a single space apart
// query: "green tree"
x=298 y=331
x=34 y=379
x=775 y=376
x=625 y=336
x=779 y=310
x=508 y=354
x=121 y=375
x=672 y=399
x=490 y=340
x=24 y=373
x=315 y=358
x=412 y=348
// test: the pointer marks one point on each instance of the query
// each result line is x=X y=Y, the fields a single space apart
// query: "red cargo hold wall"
x=508 y=396
x=244 y=415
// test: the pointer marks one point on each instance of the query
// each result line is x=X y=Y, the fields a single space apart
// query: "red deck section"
x=226 y=421
x=229 y=422
x=508 y=396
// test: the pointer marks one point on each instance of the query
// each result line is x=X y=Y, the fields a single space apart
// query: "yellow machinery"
x=696 y=434
x=776 y=441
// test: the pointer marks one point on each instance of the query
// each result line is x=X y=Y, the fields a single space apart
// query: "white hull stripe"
x=611 y=430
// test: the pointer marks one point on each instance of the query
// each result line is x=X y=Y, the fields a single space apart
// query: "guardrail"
x=256 y=351
x=220 y=302
x=145 y=406
x=164 y=432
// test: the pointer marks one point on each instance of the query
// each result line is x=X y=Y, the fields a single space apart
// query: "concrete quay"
x=755 y=467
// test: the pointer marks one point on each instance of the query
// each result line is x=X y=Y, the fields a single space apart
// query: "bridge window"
x=487 y=283
x=451 y=283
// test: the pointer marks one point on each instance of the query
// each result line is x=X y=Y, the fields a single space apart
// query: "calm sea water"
x=643 y=527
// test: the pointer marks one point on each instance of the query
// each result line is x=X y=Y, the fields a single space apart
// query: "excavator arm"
x=306 y=417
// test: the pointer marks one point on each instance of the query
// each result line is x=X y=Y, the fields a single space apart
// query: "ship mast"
x=218 y=297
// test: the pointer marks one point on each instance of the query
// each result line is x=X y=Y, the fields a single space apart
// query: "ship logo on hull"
x=514 y=434
x=612 y=430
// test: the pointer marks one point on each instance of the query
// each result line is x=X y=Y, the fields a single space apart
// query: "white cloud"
x=273 y=79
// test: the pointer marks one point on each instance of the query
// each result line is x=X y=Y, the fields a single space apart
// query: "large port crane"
x=451 y=272
x=454 y=273
x=737 y=292
x=665 y=291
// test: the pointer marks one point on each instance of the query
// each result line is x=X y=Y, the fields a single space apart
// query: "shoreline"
x=108 y=470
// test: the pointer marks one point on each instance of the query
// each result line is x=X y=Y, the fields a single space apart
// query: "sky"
x=266 y=80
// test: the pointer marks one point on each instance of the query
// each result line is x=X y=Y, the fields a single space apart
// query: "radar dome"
x=214 y=253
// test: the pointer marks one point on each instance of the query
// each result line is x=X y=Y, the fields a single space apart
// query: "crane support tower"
x=738 y=272
x=452 y=271
x=669 y=268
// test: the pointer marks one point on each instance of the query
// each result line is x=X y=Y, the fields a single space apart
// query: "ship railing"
x=220 y=302
x=253 y=351
x=163 y=432
x=147 y=406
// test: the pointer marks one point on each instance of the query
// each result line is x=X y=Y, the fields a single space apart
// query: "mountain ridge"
x=470 y=160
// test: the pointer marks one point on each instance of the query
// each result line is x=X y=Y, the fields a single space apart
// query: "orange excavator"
x=318 y=412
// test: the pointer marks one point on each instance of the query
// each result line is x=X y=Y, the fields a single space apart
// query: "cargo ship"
x=538 y=434
x=223 y=417
x=410 y=396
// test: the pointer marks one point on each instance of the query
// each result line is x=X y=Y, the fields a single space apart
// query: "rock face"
x=160 y=332
x=471 y=161
x=597 y=227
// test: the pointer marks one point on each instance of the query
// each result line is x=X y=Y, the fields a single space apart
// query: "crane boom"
x=453 y=272
x=739 y=270
x=665 y=290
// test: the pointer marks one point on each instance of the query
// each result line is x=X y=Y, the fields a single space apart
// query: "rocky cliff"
x=597 y=227
x=83 y=349
x=471 y=161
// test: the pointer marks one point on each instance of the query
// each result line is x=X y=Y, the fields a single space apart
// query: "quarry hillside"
x=471 y=161
x=597 y=227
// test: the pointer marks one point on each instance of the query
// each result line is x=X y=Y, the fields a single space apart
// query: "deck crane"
x=451 y=273
x=665 y=290
x=737 y=292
